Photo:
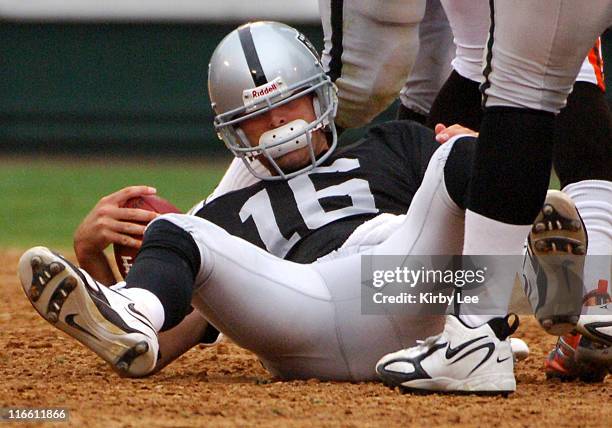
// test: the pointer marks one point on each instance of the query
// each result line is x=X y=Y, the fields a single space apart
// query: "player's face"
x=300 y=108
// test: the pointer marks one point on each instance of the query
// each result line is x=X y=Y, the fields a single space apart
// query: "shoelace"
x=423 y=345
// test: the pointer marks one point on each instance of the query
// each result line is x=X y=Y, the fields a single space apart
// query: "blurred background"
x=96 y=95
x=120 y=76
x=85 y=76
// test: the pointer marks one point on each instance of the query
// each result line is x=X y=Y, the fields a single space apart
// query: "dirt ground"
x=226 y=386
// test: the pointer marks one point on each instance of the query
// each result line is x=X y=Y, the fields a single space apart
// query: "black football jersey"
x=310 y=215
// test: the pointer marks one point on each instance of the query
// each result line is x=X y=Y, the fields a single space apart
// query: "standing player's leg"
x=432 y=65
x=582 y=129
x=434 y=226
x=459 y=100
x=582 y=137
x=574 y=131
x=583 y=163
x=370 y=48
x=534 y=54
x=535 y=51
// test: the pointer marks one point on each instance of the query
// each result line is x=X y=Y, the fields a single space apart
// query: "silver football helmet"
x=260 y=66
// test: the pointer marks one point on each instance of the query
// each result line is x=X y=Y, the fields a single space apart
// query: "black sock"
x=404 y=113
x=458 y=170
x=167 y=265
x=583 y=147
x=459 y=101
x=512 y=164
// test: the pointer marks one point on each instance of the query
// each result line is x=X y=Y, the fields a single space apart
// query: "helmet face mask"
x=293 y=70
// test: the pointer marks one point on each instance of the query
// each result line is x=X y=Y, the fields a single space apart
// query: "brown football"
x=124 y=256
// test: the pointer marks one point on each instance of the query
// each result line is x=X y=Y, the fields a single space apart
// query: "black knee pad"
x=583 y=144
x=512 y=164
x=459 y=101
x=167 y=265
x=458 y=170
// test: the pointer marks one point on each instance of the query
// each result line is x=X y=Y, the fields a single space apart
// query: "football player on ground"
x=534 y=54
x=285 y=283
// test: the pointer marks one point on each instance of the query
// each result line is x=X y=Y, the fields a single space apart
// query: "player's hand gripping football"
x=109 y=223
x=444 y=133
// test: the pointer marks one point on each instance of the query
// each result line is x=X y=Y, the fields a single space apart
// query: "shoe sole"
x=477 y=385
x=59 y=294
x=445 y=386
x=417 y=391
x=558 y=237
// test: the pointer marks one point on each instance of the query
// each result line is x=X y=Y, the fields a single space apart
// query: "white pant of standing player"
x=433 y=62
x=470 y=21
x=537 y=71
x=305 y=320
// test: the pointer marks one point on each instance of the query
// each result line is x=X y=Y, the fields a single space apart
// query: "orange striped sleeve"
x=596 y=61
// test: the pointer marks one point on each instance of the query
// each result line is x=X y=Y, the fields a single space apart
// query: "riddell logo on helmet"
x=265 y=91
x=251 y=96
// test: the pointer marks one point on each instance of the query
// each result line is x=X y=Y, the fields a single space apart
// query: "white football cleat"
x=554 y=263
x=102 y=319
x=461 y=359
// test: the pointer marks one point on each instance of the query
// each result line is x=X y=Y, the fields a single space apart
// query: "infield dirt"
x=226 y=386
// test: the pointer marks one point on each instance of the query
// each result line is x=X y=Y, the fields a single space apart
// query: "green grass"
x=42 y=201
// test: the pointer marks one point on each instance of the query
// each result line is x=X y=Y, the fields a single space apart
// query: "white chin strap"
x=297 y=128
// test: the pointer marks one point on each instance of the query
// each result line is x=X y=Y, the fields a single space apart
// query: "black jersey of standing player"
x=313 y=214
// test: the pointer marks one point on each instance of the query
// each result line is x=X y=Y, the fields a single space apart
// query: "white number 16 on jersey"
x=307 y=199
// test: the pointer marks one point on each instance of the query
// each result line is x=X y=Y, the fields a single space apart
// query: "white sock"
x=148 y=303
x=485 y=236
x=593 y=198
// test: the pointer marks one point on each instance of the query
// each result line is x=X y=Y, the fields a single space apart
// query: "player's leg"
x=583 y=137
x=301 y=320
x=108 y=322
x=432 y=65
x=582 y=129
x=522 y=95
x=582 y=153
x=499 y=216
x=433 y=226
x=435 y=220
x=261 y=305
x=459 y=100
x=370 y=48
